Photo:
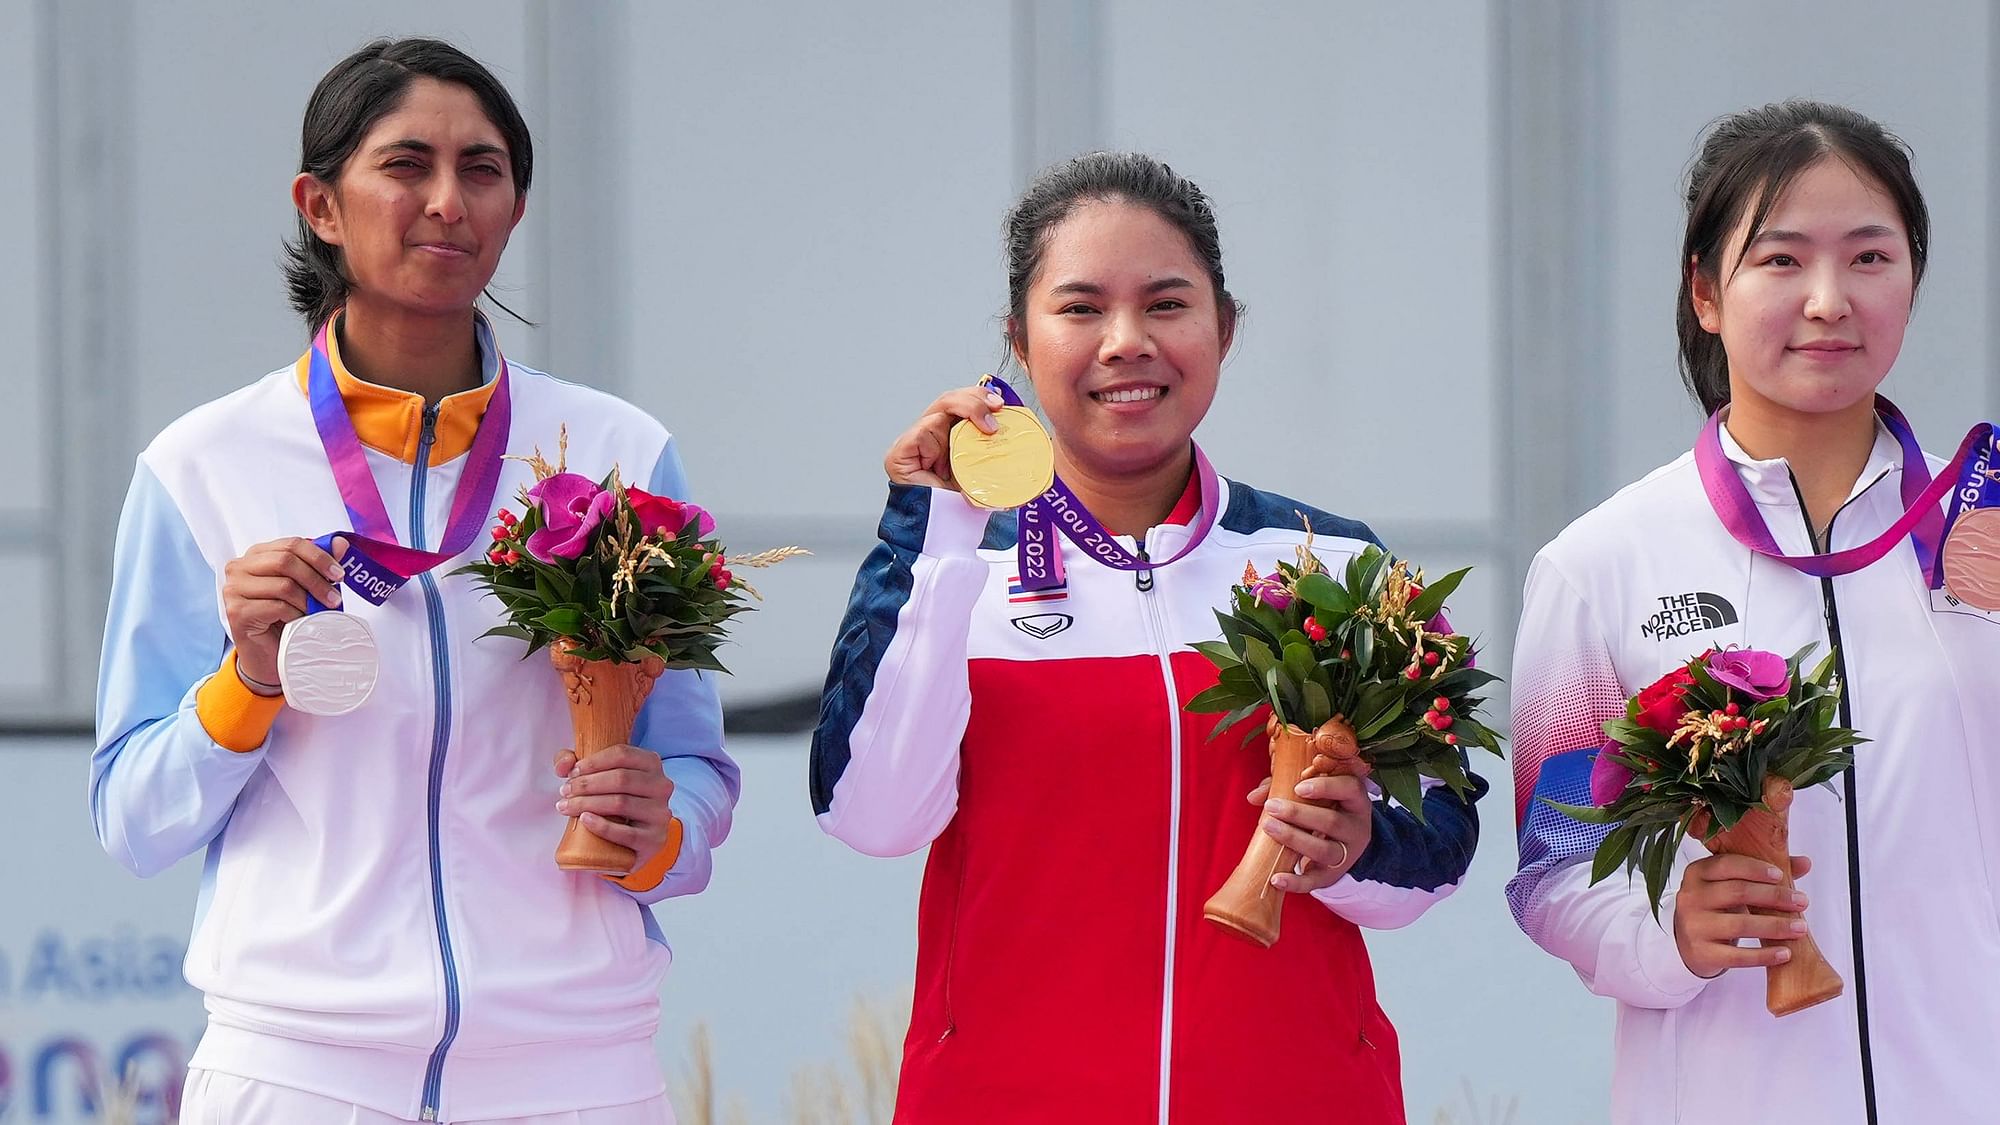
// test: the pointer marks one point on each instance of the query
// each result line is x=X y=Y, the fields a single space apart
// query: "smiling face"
x=1812 y=313
x=423 y=208
x=1122 y=338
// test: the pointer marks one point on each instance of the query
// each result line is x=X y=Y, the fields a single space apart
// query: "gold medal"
x=1007 y=468
x=1972 y=559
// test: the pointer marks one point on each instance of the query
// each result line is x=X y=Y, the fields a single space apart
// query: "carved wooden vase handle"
x=1248 y=905
x=1807 y=978
x=604 y=701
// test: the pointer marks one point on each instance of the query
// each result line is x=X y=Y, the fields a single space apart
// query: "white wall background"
x=776 y=227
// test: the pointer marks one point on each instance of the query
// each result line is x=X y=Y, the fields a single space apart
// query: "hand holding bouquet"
x=1717 y=747
x=620 y=585
x=1361 y=677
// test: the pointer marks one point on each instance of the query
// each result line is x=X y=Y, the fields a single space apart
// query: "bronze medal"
x=1972 y=559
x=1007 y=468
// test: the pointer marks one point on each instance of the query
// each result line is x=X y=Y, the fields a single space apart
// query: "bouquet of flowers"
x=1717 y=747
x=1361 y=677
x=620 y=585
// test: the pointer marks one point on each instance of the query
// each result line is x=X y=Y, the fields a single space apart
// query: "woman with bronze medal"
x=1805 y=519
x=297 y=679
x=1008 y=689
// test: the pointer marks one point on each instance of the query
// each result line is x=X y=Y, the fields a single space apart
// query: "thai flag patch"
x=1017 y=595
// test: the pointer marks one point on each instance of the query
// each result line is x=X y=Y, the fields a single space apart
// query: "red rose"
x=1662 y=706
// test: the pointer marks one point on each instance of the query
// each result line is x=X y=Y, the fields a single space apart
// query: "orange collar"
x=391 y=421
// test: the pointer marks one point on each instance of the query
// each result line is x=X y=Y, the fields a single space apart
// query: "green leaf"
x=1326 y=596
x=563 y=621
x=1432 y=599
x=1318 y=707
x=1612 y=853
x=1588 y=814
x=1214 y=701
x=1298 y=662
x=1219 y=653
x=1258 y=656
x=1363 y=645
x=1378 y=709
x=1405 y=786
x=1281 y=701
x=1237 y=716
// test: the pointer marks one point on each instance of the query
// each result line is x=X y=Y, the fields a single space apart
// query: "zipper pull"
x=1145 y=579
x=430 y=422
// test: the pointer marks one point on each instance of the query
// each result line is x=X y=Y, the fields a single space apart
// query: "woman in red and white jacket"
x=1036 y=738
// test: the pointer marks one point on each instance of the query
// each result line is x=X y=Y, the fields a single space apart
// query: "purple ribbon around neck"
x=376 y=565
x=1058 y=509
x=1920 y=520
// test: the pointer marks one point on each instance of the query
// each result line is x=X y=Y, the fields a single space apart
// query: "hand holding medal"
x=323 y=662
x=1009 y=465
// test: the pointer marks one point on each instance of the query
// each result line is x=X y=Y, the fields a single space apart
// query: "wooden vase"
x=1248 y=905
x=1806 y=979
x=604 y=701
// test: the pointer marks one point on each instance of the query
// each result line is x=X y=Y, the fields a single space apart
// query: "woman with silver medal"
x=298 y=682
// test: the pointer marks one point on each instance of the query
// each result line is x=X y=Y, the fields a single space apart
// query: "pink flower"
x=1270 y=590
x=1608 y=777
x=664 y=513
x=1757 y=674
x=572 y=507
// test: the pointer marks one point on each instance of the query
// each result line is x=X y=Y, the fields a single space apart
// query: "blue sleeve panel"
x=682 y=722
x=881 y=589
x=160 y=787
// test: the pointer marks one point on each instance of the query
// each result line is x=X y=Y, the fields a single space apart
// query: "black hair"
x=1743 y=166
x=360 y=90
x=1129 y=177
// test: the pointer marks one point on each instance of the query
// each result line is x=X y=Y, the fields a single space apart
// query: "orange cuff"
x=234 y=716
x=648 y=874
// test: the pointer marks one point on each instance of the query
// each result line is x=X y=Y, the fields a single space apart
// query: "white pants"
x=224 y=1099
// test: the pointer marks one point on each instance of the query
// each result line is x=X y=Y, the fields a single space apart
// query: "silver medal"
x=327 y=663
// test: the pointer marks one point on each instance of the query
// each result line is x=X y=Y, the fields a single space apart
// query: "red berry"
x=1347 y=654
x=496 y=557
x=511 y=557
x=1413 y=673
x=1731 y=709
x=1443 y=721
x=1451 y=740
x=499 y=533
x=507 y=517
x=1431 y=717
x=1431 y=659
x=1441 y=704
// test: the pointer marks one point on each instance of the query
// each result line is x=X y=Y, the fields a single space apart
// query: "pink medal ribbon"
x=376 y=563
x=1921 y=521
x=327 y=662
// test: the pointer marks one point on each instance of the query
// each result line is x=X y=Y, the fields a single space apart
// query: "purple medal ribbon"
x=1920 y=520
x=1975 y=484
x=1058 y=509
x=376 y=564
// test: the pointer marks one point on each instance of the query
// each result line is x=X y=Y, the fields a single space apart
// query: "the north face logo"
x=1681 y=614
x=1042 y=626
